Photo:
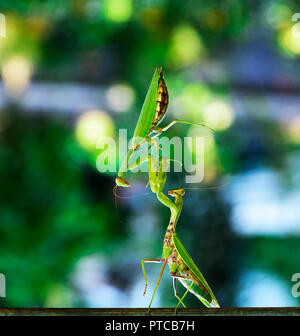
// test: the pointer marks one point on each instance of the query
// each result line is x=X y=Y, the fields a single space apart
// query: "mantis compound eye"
x=122 y=182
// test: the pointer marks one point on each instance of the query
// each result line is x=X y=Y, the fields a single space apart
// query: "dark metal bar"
x=154 y=312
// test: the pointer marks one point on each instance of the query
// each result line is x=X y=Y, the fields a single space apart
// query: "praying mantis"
x=147 y=129
x=181 y=265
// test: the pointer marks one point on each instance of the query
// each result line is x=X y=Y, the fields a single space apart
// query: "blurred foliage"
x=50 y=217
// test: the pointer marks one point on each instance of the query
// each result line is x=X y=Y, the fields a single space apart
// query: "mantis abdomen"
x=201 y=293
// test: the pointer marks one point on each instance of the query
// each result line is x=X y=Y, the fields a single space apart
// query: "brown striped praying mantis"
x=181 y=265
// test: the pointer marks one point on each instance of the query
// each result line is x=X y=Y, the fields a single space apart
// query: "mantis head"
x=176 y=192
x=121 y=182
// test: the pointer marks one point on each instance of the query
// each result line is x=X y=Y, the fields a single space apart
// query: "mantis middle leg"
x=181 y=300
x=176 y=292
x=160 y=130
x=143 y=261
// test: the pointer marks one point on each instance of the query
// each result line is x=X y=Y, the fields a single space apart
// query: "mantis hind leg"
x=181 y=300
x=176 y=292
x=178 y=276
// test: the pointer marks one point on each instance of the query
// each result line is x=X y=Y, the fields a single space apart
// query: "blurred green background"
x=72 y=71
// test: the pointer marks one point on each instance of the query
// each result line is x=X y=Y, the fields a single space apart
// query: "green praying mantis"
x=147 y=129
x=181 y=265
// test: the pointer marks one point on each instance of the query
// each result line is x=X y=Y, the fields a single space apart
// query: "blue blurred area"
x=72 y=72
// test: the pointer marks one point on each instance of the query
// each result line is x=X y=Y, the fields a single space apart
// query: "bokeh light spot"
x=186 y=46
x=294 y=130
x=16 y=73
x=120 y=97
x=190 y=102
x=117 y=10
x=289 y=42
x=218 y=115
x=91 y=126
x=210 y=151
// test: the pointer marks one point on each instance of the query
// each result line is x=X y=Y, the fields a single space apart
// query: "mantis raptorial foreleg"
x=140 y=160
x=157 y=177
x=126 y=165
x=167 y=202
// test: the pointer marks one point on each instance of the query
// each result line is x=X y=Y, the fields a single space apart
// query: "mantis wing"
x=205 y=294
x=148 y=110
